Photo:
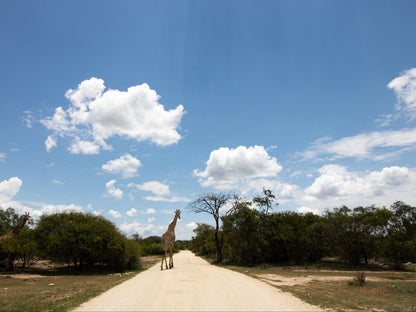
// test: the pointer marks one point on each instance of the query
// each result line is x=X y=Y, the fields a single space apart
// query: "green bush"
x=203 y=243
x=85 y=241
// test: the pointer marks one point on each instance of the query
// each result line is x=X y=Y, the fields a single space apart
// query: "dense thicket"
x=352 y=235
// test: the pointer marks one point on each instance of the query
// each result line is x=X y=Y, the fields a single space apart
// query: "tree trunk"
x=10 y=261
x=217 y=242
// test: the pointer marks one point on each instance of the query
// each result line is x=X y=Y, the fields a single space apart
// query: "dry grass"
x=35 y=292
x=338 y=289
x=53 y=293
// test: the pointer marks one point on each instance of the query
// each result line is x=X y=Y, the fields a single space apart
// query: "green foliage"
x=203 y=243
x=132 y=255
x=400 y=244
x=181 y=245
x=254 y=237
x=152 y=245
x=84 y=241
x=244 y=239
x=23 y=246
x=8 y=219
x=356 y=235
x=265 y=202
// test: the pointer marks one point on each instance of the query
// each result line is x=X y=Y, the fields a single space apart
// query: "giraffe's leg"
x=164 y=258
x=170 y=258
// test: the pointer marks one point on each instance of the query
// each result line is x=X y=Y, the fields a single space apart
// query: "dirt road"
x=194 y=285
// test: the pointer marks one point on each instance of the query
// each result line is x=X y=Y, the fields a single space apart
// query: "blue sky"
x=131 y=109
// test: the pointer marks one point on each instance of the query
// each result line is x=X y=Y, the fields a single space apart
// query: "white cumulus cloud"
x=9 y=188
x=227 y=167
x=405 y=88
x=337 y=182
x=337 y=186
x=50 y=142
x=143 y=230
x=79 y=146
x=192 y=225
x=160 y=190
x=150 y=211
x=114 y=214
x=126 y=165
x=112 y=191
x=95 y=115
x=155 y=187
x=132 y=212
x=48 y=209
x=169 y=199
x=282 y=191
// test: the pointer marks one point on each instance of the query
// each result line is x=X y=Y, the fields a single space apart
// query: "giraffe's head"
x=26 y=215
x=178 y=213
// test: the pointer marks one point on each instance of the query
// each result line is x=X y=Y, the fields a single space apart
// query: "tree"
x=400 y=245
x=212 y=204
x=245 y=242
x=8 y=220
x=10 y=226
x=151 y=245
x=265 y=201
x=354 y=235
x=23 y=247
x=203 y=243
x=85 y=240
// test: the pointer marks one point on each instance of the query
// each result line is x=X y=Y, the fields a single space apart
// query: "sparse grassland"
x=338 y=289
x=51 y=291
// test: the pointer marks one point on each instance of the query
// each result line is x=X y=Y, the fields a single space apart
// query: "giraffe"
x=168 y=240
x=12 y=233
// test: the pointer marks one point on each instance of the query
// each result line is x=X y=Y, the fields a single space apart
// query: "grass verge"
x=336 y=290
x=54 y=292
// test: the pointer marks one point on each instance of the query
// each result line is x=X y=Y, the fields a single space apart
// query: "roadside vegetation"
x=345 y=259
x=66 y=259
x=362 y=235
x=81 y=241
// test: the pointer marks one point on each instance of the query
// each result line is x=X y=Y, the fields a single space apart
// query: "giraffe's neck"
x=14 y=231
x=173 y=224
x=20 y=225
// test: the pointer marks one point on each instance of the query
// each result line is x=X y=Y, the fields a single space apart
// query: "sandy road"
x=194 y=285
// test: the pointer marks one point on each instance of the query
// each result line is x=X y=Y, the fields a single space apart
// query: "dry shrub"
x=359 y=278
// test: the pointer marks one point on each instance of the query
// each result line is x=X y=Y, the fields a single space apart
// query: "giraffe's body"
x=168 y=240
